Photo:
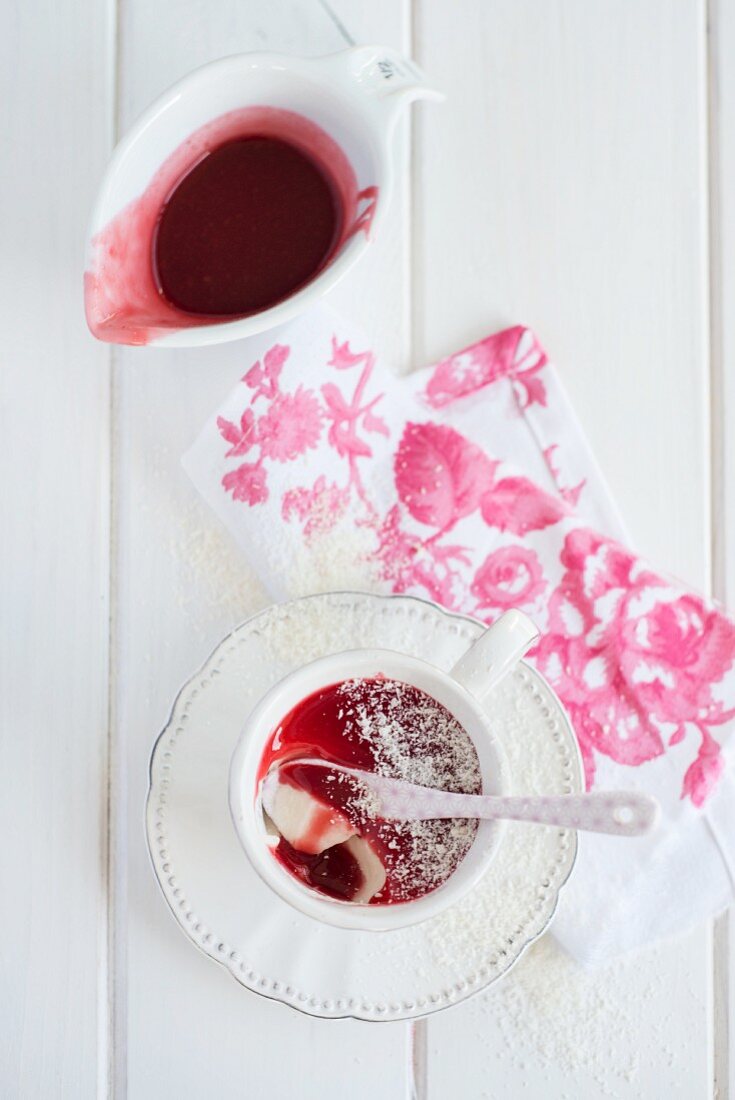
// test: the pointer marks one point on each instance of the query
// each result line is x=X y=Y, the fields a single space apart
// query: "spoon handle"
x=621 y=813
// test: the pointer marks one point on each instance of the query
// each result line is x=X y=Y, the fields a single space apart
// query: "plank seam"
x=720 y=936
x=116 y=1062
x=418 y=1062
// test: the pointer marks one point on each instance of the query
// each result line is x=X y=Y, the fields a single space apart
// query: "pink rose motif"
x=509 y=577
x=670 y=649
x=673 y=650
x=247 y=483
x=640 y=659
x=440 y=476
x=291 y=426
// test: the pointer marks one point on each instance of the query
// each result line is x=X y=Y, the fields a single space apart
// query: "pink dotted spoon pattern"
x=620 y=813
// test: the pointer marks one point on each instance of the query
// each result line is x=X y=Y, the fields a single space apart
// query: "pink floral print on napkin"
x=511 y=576
x=642 y=664
x=636 y=660
x=495 y=357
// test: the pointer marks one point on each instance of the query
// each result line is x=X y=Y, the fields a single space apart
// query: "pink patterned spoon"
x=621 y=813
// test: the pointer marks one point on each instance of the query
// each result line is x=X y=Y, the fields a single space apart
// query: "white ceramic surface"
x=226 y=909
x=354 y=95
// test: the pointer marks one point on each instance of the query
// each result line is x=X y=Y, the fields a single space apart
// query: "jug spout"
x=386 y=81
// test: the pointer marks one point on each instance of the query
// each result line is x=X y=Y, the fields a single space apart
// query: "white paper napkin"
x=470 y=483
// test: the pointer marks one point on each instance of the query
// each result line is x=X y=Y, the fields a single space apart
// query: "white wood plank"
x=188 y=1028
x=722 y=316
x=563 y=185
x=553 y=1030
x=722 y=234
x=723 y=1000
x=723 y=289
x=54 y=132
x=377 y=295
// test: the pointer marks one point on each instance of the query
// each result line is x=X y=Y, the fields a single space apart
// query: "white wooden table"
x=581 y=179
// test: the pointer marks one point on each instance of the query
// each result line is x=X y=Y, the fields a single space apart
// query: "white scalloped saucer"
x=225 y=908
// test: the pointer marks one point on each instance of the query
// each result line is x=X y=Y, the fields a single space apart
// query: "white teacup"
x=461 y=691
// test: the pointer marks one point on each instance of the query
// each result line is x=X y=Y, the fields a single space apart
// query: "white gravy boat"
x=352 y=98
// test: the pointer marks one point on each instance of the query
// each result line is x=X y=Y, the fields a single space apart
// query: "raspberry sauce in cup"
x=381 y=710
x=334 y=841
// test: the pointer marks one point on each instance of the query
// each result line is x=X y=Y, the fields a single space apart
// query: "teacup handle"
x=495 y=652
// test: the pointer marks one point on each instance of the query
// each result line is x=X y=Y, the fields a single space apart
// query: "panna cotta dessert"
x=326 y=826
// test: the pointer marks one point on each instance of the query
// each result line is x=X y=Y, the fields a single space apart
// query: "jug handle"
x=386 y=80
x=495 y=653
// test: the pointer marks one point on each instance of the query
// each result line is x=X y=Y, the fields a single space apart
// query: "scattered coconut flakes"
x=212 y=575
x=436 y=849
x=364 y=803
x=309 y=629
x=414 y=738
x=333 y=560
x=400 y=723
x=551 y=1014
